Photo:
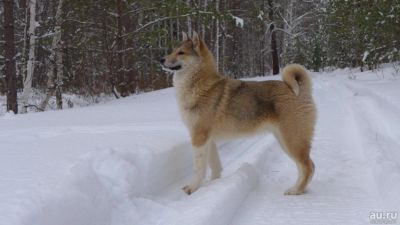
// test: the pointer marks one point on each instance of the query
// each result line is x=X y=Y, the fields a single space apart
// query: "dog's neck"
x=199 y=77
x=191 y=83
x=182 y=78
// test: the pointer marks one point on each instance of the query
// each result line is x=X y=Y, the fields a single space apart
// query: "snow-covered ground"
x=69 y=101
x=124 y=162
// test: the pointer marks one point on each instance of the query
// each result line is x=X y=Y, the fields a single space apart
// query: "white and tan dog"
x=214 y=107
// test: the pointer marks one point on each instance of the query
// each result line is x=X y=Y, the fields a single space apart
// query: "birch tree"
x=28 y=76
x=288 y=28
x=274 y=50
x=55 y=73
x=203 y=27
x=189 y=20
x=216 y=49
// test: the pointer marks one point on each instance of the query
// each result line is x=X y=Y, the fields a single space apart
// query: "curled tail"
x=296 y=76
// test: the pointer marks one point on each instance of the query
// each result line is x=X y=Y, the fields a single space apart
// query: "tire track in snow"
x=379 y=120
x=224 y=196
x=230 y=152
x=370 y=93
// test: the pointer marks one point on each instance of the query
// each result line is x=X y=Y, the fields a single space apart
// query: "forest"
x=92 y=131
x=50 y=49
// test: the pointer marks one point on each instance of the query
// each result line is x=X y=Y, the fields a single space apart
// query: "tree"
x=217 y=34
x=362 y=33
x=120 y=48
x=30 y=65
x=274 y=50
x=111 y=46
x=302 y=33
x=55 y=74
x=10 y=56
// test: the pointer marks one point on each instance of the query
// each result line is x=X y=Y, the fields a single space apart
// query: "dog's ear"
x=195 y=39
x=198 y=44
x=184 y=36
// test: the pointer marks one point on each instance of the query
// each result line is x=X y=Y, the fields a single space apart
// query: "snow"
x=125 y=161
x=260 y=15
x=365 y=55
x=238 y=21
x=69 y=100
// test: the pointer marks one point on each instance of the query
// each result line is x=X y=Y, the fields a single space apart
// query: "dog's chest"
x=187 y=108
x=187 y=100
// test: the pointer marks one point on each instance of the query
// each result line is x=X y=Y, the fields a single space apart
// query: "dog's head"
x=188 y=55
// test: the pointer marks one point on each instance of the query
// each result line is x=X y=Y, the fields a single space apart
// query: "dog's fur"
x=214 y=108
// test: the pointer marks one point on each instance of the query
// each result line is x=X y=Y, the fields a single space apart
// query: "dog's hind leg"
x=214 y=161
x=306 y=170
x=298 y=149
x=201 y=146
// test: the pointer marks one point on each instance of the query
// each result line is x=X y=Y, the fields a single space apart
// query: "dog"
x=215 y=108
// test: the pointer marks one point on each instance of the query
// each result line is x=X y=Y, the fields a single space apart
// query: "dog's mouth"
x=175 y=67
x=170 y=69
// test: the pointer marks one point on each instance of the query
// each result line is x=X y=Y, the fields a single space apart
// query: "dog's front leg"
x=201 y=147
x=214 y=161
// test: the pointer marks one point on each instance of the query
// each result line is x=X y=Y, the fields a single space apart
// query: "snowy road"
x=125 y=162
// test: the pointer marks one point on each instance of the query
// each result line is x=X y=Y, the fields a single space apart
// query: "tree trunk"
x=203 y=27
x=189 y=20
x=275 y=57
x=120 y=46
x=55 y=74
x=26 y=39
x=9 y=48
x=216 y=49
x=287 y=39
x=27 y=78
x=223 y=41
x=111 y=76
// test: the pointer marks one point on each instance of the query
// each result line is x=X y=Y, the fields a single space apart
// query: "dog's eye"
x=181 y=53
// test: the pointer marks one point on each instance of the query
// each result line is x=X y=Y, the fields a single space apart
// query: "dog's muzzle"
x=162 y=61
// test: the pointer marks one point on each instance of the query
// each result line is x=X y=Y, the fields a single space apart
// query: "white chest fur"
x=185 y=97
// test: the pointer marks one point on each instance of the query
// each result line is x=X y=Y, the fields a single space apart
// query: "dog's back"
x=235 y=108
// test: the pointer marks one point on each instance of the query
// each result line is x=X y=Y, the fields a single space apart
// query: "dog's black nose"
x=162 y=60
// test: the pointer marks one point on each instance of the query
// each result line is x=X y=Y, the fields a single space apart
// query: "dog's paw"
x=294 y=191
x=189 y=189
